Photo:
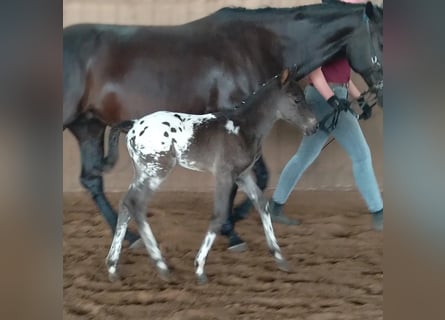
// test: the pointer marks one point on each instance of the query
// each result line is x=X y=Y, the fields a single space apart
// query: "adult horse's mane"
x=301 y=12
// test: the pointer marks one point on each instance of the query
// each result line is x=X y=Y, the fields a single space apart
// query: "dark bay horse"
x=225 y=143
x=114 y=73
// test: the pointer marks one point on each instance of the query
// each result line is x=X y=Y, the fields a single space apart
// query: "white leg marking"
x=150 y=243
x=270 y=235
x=254 y=194
x=203 y=251
x=118 y=238
x=161 y=264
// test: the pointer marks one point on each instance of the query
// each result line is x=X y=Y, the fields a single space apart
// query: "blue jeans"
x=349 y=135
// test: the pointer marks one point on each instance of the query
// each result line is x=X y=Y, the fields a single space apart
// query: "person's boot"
x=377 y=220
x=276 y=214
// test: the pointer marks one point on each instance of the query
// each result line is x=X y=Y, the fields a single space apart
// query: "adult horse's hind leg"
x=262 y=177
x=90 y=136
x=248 y=185
x=224 y=185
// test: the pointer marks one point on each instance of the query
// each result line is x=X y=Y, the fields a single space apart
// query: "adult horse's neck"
x=319 y=35
x=308 y=35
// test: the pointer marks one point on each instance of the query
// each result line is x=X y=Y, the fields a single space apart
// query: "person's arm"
x=353 y=90
x=320 y=83
x=322 y=86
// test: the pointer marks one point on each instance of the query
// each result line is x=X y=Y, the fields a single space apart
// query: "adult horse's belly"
x=145 y=88
x=118 y=101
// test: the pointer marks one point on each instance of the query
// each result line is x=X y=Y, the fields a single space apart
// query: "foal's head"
x=292 y=106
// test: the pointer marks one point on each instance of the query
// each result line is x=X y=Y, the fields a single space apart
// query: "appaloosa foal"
x=224 y=143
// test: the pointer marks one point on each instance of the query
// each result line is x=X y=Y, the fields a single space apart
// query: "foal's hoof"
x=202 y=279
x=236 y=244
x=377 y=220
x=281 y=218
x=283 y=265
x=164 y=274
x=138 y=244
x=113 y=276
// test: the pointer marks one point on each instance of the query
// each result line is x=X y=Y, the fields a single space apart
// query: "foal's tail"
x=113 y=144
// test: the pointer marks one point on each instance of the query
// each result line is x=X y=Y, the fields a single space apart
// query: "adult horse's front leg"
x=228 y=228
x=224 y=185
x=241 y=211
x=90 y=136
x=248 y=185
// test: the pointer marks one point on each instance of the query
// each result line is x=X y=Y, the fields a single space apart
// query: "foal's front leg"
x=249 y=186
x=224 y=185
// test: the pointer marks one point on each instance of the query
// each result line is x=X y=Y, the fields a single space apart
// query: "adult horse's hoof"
x=236 y=244
x=281 y=218
x=377 y=220
x=241 y=247
x=202 y=279
x=137 y=244
x=133 y=239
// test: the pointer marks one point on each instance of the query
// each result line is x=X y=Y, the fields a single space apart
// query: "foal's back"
x=196 y=142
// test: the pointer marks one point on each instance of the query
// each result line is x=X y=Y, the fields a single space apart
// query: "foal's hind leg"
x=116 y=246
x=136 y=201
x=90 y=136
x=224 y=185
x=255 y=195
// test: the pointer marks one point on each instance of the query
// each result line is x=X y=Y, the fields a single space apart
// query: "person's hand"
x=338 y=104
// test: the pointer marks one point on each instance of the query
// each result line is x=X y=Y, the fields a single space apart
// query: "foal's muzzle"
x=311 y=129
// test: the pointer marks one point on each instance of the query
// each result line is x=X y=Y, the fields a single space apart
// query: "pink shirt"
x=337 y=71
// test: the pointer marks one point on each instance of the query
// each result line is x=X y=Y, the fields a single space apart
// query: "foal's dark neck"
x=258 y=113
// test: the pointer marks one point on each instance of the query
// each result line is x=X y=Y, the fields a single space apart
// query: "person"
x=329 y=87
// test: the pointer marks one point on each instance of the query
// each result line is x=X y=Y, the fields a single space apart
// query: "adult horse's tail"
x=113 y=144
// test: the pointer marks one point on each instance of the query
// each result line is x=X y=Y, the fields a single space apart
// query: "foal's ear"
x=284 y=77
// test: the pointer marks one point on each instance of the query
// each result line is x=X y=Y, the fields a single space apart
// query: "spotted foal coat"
x=226 y=144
